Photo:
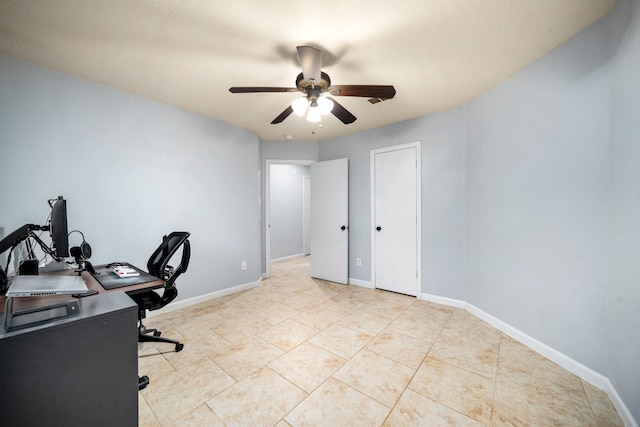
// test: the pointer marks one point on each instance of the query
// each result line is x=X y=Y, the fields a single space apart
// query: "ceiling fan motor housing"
x=312 y=88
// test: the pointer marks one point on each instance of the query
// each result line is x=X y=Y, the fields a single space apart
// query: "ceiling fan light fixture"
x=312 y=82
x=314 y=114
x=300 y=106
x=325 y=105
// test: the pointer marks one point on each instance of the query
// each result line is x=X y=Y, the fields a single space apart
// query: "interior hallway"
x=304 y=352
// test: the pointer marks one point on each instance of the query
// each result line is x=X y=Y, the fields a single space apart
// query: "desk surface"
x=30 y=302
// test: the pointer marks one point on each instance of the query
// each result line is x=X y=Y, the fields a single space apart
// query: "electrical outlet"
x=244 y=265
x=359 y=262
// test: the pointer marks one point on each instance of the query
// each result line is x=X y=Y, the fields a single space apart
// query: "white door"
x=306 y=213
x=396 y=220
x=329 y=220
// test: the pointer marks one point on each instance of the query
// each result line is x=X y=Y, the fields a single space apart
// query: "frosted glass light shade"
x=300 y=106
x=325 y=105
x=314 y=115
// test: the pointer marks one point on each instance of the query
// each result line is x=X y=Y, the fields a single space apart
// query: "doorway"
x=396 y=218
x=290 y=190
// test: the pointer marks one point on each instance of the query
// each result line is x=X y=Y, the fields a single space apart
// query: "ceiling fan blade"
x=282 y=115
x=261 y=89
x=342 y=113
x=311 y=62
x=366 y=91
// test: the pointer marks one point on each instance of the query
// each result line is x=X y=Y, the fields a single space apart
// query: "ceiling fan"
x=315 y=84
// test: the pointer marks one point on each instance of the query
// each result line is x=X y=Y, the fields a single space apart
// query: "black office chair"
x=158 y=266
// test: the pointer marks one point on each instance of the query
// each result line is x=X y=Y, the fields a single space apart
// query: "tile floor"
x=303 y=352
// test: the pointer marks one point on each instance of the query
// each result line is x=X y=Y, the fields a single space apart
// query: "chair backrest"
x=158 y=262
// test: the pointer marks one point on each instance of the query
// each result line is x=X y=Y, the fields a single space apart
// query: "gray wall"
x=538 y=198
x=286 y=203
x=531 y=199
x=623 y=288
x=132 y=170
x=553 y=200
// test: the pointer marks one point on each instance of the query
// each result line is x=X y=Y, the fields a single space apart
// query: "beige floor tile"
x=464 y=325
x=197 y=324
x=476 y=356
x=342 y=305
x=340 y=340
x=318 y=318
x=525 y=399
x=175 y=395
x=414 y=409
x=360 y=293
x=424 y=324
x=456 y=388
x=518 y=357
x=245 y=357
x=429 y=311
x=400 y=347
x=338 y=288
x=199 y=417
x=307 y=366
x=394 y=298
x=238 y=326
x=603 y=410
x=169 y=317
x=367 y=321
x=288 y=334
x=321 y=293
x=263 y=297
x=152 y=363
x=302 y=301
x=261 y=399
x=198 y=345
x=376 y=376
x=386 y=307
x=238 y=307
x=350 y=349
x=336 y=404
x=145 y=416
x=276 y=312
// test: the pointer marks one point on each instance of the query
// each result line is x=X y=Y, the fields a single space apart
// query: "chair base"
x=153 y=335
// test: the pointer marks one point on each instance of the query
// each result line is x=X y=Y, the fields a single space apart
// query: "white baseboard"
x=362 y=283
x=176 y=305
x=443 y=300
x=287 y=258
x=552 y=354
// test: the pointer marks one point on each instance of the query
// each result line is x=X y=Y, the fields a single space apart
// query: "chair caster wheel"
x=143 y=382
x=157 y=333
x=179 y=346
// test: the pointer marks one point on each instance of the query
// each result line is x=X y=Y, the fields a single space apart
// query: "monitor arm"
x=20 y=234
x=16 y=237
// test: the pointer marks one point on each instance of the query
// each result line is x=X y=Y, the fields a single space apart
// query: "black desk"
x=80 y=370
x=21 y=303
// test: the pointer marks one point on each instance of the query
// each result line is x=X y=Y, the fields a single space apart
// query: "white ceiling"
x=438 y=54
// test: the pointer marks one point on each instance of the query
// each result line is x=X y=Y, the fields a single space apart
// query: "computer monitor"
x=58 y=227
